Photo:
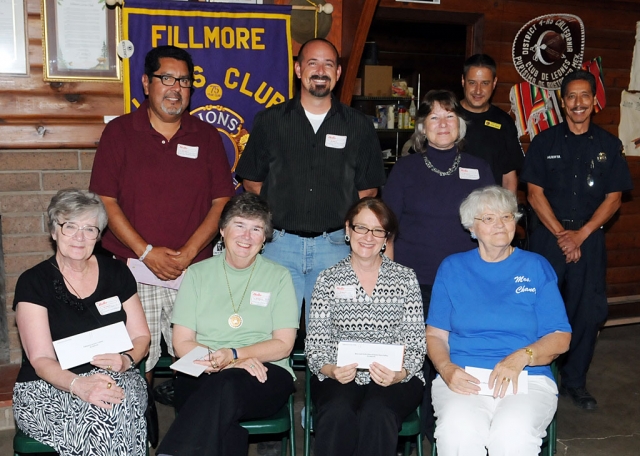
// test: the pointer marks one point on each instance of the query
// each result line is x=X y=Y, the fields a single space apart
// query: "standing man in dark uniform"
x=576 y=174
x=311 y=158
x=491 y=132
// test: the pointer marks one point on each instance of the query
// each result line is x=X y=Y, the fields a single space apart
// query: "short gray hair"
x=250 y=206
x=448 y=101
x=72 y=203
x=492 y=198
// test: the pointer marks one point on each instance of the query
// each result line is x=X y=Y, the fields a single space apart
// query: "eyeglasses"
x=377 y=232
x=490 y=219
x=167 y=80
x=70 y=229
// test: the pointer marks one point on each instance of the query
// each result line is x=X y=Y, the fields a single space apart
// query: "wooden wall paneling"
x=50 y=135
x=624 y=257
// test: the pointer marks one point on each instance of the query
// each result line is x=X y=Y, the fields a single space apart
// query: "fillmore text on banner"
x=242 y=57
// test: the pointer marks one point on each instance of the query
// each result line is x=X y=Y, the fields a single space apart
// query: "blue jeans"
x=305 y=258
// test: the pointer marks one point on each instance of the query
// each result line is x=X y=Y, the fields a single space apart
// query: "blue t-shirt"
x=493 y=309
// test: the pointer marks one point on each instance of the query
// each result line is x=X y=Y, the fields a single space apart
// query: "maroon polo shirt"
x=165 y=188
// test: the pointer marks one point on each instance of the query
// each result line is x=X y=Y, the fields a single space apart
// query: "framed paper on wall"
x=13 y=39
x=79 y=41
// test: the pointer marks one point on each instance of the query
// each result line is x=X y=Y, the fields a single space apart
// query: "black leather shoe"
x=580 y=397
x=164 y=393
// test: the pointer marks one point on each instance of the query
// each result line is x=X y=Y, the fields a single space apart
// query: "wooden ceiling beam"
x=360 y=13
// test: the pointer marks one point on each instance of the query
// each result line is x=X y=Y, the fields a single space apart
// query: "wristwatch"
x=133 y=363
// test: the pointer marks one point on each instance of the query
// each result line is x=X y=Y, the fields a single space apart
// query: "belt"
x=308 y=234
x=572 y=224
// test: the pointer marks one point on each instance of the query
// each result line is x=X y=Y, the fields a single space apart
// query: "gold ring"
x=506 y=379
x=109 y=367
x=109 y=385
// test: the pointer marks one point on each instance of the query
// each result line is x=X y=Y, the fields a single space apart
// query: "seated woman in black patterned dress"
x=95 y=408
x=364 y=298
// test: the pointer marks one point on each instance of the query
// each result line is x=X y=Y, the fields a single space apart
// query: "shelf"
x=395 y=130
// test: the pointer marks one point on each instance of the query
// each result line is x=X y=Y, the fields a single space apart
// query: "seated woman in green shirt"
x=243 y=308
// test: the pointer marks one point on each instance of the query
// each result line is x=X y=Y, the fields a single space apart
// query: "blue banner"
x=242 y=57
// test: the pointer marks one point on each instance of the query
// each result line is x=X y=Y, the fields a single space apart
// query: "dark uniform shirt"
x=563 y=164
x=311 y=179
x=492 y=136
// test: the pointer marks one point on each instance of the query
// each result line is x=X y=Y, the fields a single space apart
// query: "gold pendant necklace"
x=235 y=320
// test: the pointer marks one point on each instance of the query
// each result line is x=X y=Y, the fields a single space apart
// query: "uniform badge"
x=602 y=157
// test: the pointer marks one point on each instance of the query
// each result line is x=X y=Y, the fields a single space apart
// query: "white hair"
x=492 y=198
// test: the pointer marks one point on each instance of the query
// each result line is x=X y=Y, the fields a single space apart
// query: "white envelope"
x=81 y=348
x=389 y=355
x=186 y=363
x=483 y=375
x=144 y=275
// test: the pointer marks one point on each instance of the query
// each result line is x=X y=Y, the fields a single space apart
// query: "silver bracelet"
x=71 y=386
x=146 y=252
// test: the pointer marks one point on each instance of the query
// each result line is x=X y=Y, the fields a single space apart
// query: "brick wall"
x=28 y=179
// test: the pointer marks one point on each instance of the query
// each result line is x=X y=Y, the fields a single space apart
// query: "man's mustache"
x=177 y=95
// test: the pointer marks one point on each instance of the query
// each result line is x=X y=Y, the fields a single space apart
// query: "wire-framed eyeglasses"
x=377 y=232
x=167 y=80
x=490 y=219
x=70 y=229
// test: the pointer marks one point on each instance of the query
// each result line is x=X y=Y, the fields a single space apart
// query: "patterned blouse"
x=391 y=315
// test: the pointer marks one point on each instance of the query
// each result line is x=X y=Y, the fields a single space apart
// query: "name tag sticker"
x=469 y=174
x=187 y=151
x=260 y=298
x=109 y=305
x=335 y=141
x=495 y=125
x=345 y=291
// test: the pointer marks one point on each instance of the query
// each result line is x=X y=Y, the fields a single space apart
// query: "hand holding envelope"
x=384 y=361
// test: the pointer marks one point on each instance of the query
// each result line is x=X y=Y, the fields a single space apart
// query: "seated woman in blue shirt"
x=498 y=308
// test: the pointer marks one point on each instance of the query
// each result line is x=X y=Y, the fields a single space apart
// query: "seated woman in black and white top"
x=365 y=298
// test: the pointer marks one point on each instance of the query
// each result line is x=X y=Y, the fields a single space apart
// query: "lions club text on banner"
x=242 y=57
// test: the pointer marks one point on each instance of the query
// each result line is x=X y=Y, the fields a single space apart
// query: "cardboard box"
x=377 y=80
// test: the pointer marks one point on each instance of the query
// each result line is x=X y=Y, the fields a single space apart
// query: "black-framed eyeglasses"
x=377 y=232
x=490 y=219
x=167 y=80
x=70 y=229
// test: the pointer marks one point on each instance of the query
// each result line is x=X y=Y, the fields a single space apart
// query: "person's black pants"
x=361 y=420
x=583 y=288
x=212 y=406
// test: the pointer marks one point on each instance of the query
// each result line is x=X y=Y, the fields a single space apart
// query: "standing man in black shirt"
x=491 y=133
x=311 y=158
x=575 y=174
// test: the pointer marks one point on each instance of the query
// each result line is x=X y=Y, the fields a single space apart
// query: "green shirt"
x=203 y=303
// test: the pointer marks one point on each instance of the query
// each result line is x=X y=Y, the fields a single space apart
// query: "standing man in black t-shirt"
x=491 y=133
x=311 y=158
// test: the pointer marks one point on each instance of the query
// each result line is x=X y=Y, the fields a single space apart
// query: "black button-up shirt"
x=311 y=179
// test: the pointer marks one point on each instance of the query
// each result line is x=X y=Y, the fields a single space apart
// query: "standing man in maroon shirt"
x=164 y=178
